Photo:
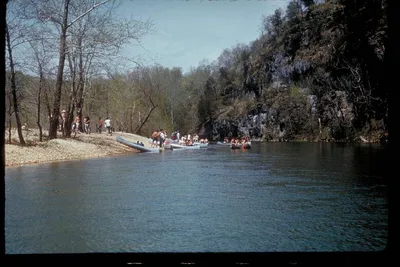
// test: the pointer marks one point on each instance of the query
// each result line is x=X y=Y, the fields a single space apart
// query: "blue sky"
x=187 y=32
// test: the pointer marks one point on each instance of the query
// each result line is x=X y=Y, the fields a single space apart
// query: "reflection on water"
x=273 y=197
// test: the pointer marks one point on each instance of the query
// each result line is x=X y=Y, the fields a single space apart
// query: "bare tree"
x=59 y=15
x=10 y=47
x=150 y=88
x=40 y=60
x=124 y=109
x=89 y=35
x=94 y=39
x=8 y=98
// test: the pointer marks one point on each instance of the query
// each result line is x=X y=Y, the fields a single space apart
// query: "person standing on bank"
x=162 y=137
x=100 y=126
x=87 y=124
x=107 y=123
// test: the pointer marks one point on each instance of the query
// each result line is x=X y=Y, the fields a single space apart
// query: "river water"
x=291 y=197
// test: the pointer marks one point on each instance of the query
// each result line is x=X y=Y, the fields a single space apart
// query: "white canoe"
x=137 y=146
x=176 y=146
x=202 y=145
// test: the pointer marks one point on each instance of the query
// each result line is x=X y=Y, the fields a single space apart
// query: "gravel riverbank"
x=83 y=146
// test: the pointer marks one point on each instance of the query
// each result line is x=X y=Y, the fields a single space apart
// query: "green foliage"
x=272 y=24
x=295 y=92
x=292 y=12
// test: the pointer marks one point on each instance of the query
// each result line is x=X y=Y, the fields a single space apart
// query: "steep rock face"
x=257 y=127
x=315 y=76
x=270 y=123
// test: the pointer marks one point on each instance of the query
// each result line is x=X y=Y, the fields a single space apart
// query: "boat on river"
x=136 y=146
x=177 y=146
x=202 y=145
x=246 y=145
x=223 y=143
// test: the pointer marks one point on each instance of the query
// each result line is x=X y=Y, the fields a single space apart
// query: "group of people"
x=175 y=135
x=158 y=138
x=107 y=125
x=76 y=124
x=237 y=140
x=86 y=124
x=188 y=139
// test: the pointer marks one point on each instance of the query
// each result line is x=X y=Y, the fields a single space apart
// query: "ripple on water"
x=274 y=197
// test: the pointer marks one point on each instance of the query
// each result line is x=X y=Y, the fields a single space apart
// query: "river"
x=291 y=197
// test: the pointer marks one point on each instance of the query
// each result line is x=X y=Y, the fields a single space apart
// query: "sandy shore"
x=83 y=146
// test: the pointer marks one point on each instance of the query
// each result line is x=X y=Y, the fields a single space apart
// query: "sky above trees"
x=187 y=32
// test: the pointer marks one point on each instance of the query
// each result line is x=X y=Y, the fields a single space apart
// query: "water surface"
x=290 y=197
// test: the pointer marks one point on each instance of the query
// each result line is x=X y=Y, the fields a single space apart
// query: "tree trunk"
x=80 y=114
x=72 y=98
x=9 y=116
x=68 y=120
x=81 y=84
x=9 y=130
x=145 y=120
x=60 y=72
x=131 y=120
x=9 y=119
x=14 y=89
x=38 y=101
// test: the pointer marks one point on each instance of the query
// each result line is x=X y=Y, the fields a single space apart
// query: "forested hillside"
x=316 y=72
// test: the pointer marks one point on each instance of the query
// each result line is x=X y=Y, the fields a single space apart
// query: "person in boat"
x=173 y=136
x=189 y=142
x=226 y=140
x=182 y=140
x=139 y=143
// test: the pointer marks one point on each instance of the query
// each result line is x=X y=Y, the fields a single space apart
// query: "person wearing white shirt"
x=107 y=123
x=162 y=137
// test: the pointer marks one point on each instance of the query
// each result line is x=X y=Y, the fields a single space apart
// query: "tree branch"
x=86 y=12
